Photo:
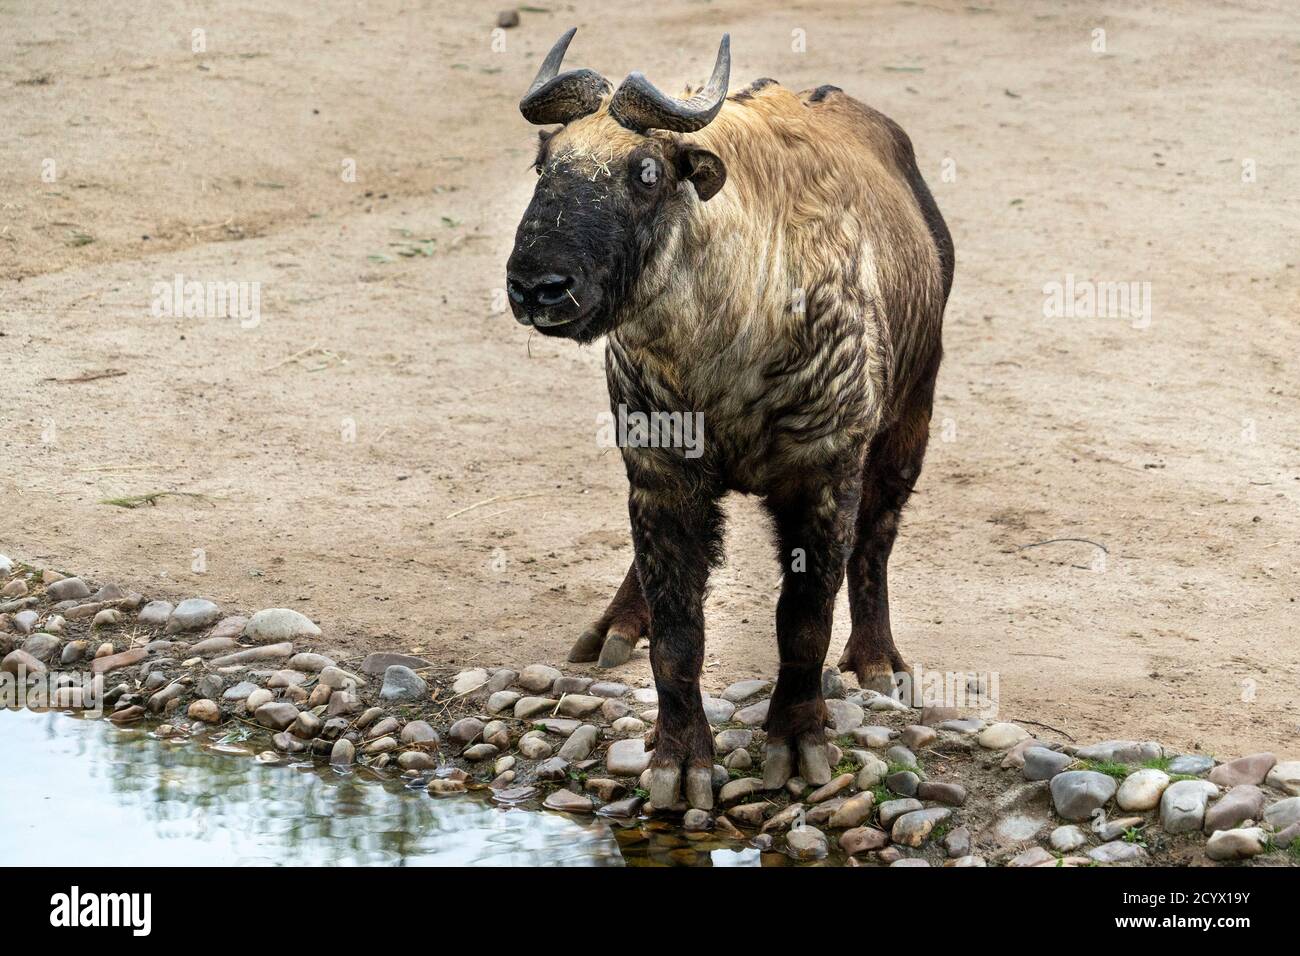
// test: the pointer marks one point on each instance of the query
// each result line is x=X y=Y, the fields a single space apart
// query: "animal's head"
x=613 y=182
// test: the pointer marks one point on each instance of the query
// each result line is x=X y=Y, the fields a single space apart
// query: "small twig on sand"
x=135 y=501
x=1039 y=544
x=1057 y=730
x=493 y=500
x=87 y=377
x=292 y=358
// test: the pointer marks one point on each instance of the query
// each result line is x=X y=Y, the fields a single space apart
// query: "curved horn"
x=558 y=97
x=638 y=105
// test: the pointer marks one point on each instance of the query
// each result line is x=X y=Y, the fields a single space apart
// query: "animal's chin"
x=583 y=327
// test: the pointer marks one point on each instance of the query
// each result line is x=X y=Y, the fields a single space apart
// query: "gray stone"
x=844 y=716
x=67 y=589
x=1283 y=814
x=853 y=812
x=502 y=701
x=527 y=707
x=1122 y=751
x=913 y=829
x=862 y=840
x=1252 y=770
x=899 y=754
x=1117 y=851
x=891 y=810
x=155 y=613
x=1243 y=802
x=192 y=614
x=739 y=789
x=43 y=647
x=1285 y=776
x=466 y=730
x=743 y=690
x=571 y=685
x=942 y=791
x=421 y=734
x=580 y=743
x=806 y=843
x=624 y=809
x=832 y=684
x=1001 y=736
x=1034 y=856
x=1067 y=838
x=566 y=801
x=579 y=705
x=538 y=678
x=555 y=768
x=874 y=737
x=343 y=753
x=478 y=752
x=957 y=843
x=277 y=715
x=561 y=726
x=276 y=624
x=534 y=746
x=627 y=758
x=1077 y=793
x=402 y=683
x=728 y=740
x=240 y=691
x=918 y=736
x=253 y=655
x=1236 y=844
x=1043 y=764
x=608 y=689
x=754 y=714
x=1183 y=804
x=904 y=783
x=1191 y=765
x=717 y=710
x=1142 y=789
x=469 y=681
x=310 y=663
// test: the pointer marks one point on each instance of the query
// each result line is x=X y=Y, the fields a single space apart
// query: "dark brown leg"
x=678 y=538
x=814 y=527
x=892 y=468
x=614 y=635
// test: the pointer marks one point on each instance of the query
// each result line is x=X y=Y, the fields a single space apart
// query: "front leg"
x=677 y=532
x=814 y=531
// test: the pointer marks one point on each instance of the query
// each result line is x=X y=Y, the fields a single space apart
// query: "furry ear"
x=702 y=168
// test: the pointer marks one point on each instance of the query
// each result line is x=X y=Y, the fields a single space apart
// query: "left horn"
x=639 y=105
x=557 y=97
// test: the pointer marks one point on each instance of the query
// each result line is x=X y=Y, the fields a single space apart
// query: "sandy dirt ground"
x=390 y=453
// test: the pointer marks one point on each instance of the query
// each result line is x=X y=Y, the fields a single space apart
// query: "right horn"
x=558 y=97
x=639 y=105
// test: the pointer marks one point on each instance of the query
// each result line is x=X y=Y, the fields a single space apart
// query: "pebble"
x=579 y=705
x=1034 y=856
x=844 y=716
x=1115 y=828
x=1001 y=736
x=1191 y=765
x=277 y=715
x=967 y=861
x=527 y=707
x=1043 y=764
x=307 y=726
x=42 y=646
x=729 y=740
x=1122 y=751
x=286 y=678
x=629 y=726
x=468 y=681
x=192 y=614
x=739 y=789
x=605 y=788
x=743 y=690
x=918 y=736
x=309 y=663
x=446 y=785
x=862 y=840
x=65 y=589
x=214 y=645
x=806 y=843
x=206 y=711
x=1142 y=789
x=1243 y=802
x=1253 y=770
x=21 y=660
x=904 y=783
x=738 y=760
x=556 y=768
x=155 y=613
x=962 y=725
x=609 y=689
x=1077 y=793
x=570 y=685
x=259 y=697
x=534 y=746
x=110 y=662
x=1283 y=814
x=561 y=726
x=240 y=691
x=1236 y=844
x=832 y=789
x=754 y=714
x=566 y=801
x=957 y=843
x=1285 y=776
x=107 y=618
x=1117 y=851
x=502 y=701
x=717 y=710
x=380 y=728
x=891 y=810
x=402 y=683
x=645 y=695
x=475 y=753
x=874 y=737
x=1067 y=838
x=421 y=734
x=25 y=621
x=697 y=821
x=1182 y=806
x=253 y=655
x=538 y=678
x=899 y=754
x=416 y=760
x=627 y=758
x=623 y=809
x=466 y=730
x=580 y=743
x=501 y=679
x=941 y=791
x=873 y=771
x=853 y=812
x=913 y=829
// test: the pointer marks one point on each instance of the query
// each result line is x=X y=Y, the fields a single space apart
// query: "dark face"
x=592 y=223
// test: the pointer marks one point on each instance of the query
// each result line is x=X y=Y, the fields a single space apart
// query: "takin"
x=773 y=265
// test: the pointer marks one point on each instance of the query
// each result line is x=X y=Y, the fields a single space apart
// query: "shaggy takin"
x=773 y=263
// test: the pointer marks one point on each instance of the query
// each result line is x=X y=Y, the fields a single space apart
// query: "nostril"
x=553 y=290
x=517 y=291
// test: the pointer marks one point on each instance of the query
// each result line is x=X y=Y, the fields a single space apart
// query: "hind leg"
x=626 y=621
x=892 y=468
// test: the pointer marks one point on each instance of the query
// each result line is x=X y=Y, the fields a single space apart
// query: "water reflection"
x=89 y=793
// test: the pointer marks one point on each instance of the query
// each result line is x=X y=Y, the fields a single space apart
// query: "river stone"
x=862 y=840
x=729 y=740
x=556 y=768
x=1001 y=736
x=539 y=678
x=963 y=725
x=1117 y=851
x=913 y=829
x=25 y=621
x=628 y=726
x=891 y=810
x=754 y=714
x=285 y=678
x=560 y=726
x=904 y=783
x=527 y=707
x=1285 y=776
x=1043 y=764
x=874 y=737
x=277 y=715
x=20 y=659
x=844 y=716
x=742 y=690
x=206 y=711
x=1122 y=751
x=42 y=646
x=898 y=754
x=717 y=710
x=1243 y=802
x=275 y=624
x=606 y=688
x=306 y=726
x=918 y=736
x=534 y=746
x=1067 y=838
x=402 y=683
x=343 y=753
x=806 y=843
x=214 y=645
x=1034 y=856
x=466 y=730
x=380 y=728
x=1253 y=770
x=579 y=705
x=1182 y=806
x=837 y=786
x=470 y=680
x=259 y=697
x=1191 y=765
x=624 y=809
x=240 y=691
x=420 y=734
x=627 y=758
x=155 y=613
x=67 y=589
x=376 y=664
x=1236 y=844
x=853 y=812
x=1142 y=789
x=253 y=655
x=192 y=614
x=1077 y=793
x=580 y=743
x=566 y=801
x=739 y=789
x=310 y=663
x=1283 y=814
x=957 y=843
x=566 y=684
x=342 y=702
x=872 y=773
x=942 y=791
x=645 y=695
x=502 y=701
